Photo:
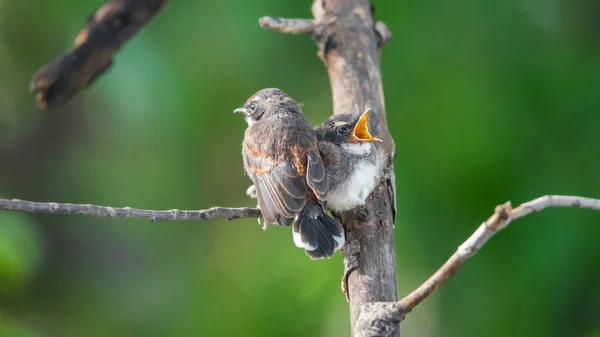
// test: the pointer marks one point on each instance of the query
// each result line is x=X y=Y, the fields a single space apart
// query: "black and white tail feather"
x=318 y=233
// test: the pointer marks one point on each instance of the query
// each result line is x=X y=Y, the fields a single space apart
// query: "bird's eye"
x=342 y=130
x=252 y=107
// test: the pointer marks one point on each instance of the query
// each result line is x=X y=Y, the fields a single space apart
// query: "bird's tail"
x=319 y=234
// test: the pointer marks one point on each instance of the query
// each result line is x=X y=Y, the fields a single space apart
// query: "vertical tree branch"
x=348 y=47
x=349 y=41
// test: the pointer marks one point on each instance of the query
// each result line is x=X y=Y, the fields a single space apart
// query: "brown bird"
x=353 y=162
x=281 y=157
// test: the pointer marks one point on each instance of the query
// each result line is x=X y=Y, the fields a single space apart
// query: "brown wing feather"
x=280 y=190
x=316 y=177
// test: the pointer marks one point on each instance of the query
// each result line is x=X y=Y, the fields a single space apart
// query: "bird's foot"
x=261 y=221
x=251 y=192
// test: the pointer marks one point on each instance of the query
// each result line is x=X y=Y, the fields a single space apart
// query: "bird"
x=353 y=162
x=281 y=157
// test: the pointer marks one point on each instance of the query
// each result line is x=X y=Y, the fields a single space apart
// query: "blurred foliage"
x=19 y=252
x=9 y=328
x=488 y=101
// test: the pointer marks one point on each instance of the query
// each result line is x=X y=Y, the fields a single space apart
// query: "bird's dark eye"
x=342 y=130
x=252 y=107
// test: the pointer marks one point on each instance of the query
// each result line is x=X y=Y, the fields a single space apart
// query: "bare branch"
x=501 y=218
x=378 y=319
x=384 y=34
x=464 y=251
x=349 y=40
x=104 y=34
x=128 y=212
x=350 y=252
x=549 y=201
x=288 y=26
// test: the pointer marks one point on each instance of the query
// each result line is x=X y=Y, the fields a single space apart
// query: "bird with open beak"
x=281 y=157
x=353 y=162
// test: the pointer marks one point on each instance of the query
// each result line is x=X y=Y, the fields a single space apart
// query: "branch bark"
x=212 y=213
x=104 y=34
x=376 y=318
x=348 y=40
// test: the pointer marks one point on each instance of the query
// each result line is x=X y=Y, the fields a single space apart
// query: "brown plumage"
x=281 y=157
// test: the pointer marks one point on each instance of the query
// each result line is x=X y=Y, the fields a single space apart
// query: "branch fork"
x=375 y=317
x=349 y=42
x=318 y=27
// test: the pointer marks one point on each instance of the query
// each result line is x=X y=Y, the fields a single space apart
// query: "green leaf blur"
x=488 y=101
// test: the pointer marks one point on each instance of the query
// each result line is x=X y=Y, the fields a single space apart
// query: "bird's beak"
x=242 y=111
x=361 y=130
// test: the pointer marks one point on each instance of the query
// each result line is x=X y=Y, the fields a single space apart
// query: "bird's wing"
x=316 y=176
x=279 y=188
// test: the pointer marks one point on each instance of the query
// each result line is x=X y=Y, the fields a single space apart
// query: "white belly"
x=356 y=189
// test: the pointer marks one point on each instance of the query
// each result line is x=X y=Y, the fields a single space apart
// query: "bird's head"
x=267 y=102
x=346 y=129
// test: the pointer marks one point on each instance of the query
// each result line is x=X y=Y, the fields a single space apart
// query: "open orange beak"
x=361 y=130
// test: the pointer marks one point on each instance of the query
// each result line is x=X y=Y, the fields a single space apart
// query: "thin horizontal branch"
x=288 y=26
x=128 y=212
x=104 y=34
x=388 y=313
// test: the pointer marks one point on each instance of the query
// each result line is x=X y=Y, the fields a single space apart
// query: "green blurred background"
x=488 y=101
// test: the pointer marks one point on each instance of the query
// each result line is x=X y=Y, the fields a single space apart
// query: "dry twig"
x=288 y=26
x=212 y=213
x=376 y=318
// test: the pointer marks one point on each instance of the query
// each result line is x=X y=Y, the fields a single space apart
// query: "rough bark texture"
x=104 y=34
x=348 y=45
x=378 y=319
x=349 y=41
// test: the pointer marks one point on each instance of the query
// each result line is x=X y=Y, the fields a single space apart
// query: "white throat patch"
x=363 y=179
x=249 y=120
x=358 y=149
